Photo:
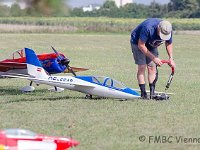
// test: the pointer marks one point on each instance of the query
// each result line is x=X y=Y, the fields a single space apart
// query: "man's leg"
x=140 y=60
x=141 y=80
x=152 y=78
x=152 y=73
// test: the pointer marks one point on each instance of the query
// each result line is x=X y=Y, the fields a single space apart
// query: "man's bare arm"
x=143 y=48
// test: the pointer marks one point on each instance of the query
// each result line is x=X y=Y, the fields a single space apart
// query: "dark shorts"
x=139 y=57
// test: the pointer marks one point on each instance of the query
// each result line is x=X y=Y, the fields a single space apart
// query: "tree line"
x=174 y=9
x=34 y=8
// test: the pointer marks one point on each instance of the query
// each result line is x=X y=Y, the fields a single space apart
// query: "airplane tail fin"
x=34 y=66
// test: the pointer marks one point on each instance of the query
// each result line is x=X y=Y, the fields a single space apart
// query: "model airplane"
x=20 y=139
x=90 y=85
x=53 y=63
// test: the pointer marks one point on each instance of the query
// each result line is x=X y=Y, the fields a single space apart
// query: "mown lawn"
x=105 y=124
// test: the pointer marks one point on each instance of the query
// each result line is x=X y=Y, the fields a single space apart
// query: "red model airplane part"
x=20 y=63
x=51 y=62
x=18 y=139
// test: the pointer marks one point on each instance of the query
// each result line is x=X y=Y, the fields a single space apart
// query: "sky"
x=79 y=3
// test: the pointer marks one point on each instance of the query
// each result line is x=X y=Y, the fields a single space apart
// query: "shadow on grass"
x=95 y=98
x=35 y=99
x=38 y=98
x=8 y=90
x=37 y=95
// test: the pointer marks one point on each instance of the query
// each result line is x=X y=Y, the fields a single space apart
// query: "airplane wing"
x=21 y=76
x=84 y=85
x=75 y=69
x=156 y=92
x=79 y=83
x=5 y=66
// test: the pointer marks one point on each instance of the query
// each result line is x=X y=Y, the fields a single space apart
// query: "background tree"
x=16 y=11
x=182 y=8
x=108 y=9
x=175 y=9
x=46 y=7
x=133 y=10
x=157 y=10
x=4 y=11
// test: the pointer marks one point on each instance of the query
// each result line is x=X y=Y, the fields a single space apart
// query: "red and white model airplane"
x=21 y=139
x=52 y=62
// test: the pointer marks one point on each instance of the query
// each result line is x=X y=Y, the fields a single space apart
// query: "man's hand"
x=157 y=61
x=172 y=63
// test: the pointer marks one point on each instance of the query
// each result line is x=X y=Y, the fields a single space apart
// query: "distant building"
x=91 y=7
x=121 y=3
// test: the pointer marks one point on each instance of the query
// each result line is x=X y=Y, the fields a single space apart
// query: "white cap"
x=165 y=30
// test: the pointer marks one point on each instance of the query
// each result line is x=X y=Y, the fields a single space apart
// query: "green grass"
x=105 y=124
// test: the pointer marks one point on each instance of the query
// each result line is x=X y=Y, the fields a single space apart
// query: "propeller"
x=64 y=61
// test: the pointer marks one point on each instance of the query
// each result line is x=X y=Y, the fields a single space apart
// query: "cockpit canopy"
x=19 y=132
x=105 y=81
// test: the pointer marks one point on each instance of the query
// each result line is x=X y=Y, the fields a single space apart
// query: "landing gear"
x=56 y=89
x=88 y=96
x=29 y=88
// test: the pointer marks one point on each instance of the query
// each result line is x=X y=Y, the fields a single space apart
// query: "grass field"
x=106 y=124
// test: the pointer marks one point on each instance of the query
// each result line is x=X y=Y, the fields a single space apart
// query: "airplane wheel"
x=56 y=89
x=88 y=96
x=28 y=89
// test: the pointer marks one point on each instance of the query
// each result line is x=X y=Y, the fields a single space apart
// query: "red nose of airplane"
x=74 y=143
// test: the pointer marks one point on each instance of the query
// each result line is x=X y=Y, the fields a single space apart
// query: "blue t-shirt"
x=147 y=32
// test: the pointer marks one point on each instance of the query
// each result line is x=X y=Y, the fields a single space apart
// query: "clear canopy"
x=17 y=54
x=106 y=81
x=19 y=132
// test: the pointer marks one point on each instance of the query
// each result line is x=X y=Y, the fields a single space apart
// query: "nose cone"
x=65 y=143
x=74 y=143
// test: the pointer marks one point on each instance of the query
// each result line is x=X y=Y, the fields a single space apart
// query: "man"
x=145 y=39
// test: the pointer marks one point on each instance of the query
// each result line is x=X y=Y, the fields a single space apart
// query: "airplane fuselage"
x=76 y=84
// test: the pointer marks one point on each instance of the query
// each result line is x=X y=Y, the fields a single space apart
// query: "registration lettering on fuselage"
x=61 y=79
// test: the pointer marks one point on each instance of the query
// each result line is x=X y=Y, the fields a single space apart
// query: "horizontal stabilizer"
x=16 y=76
